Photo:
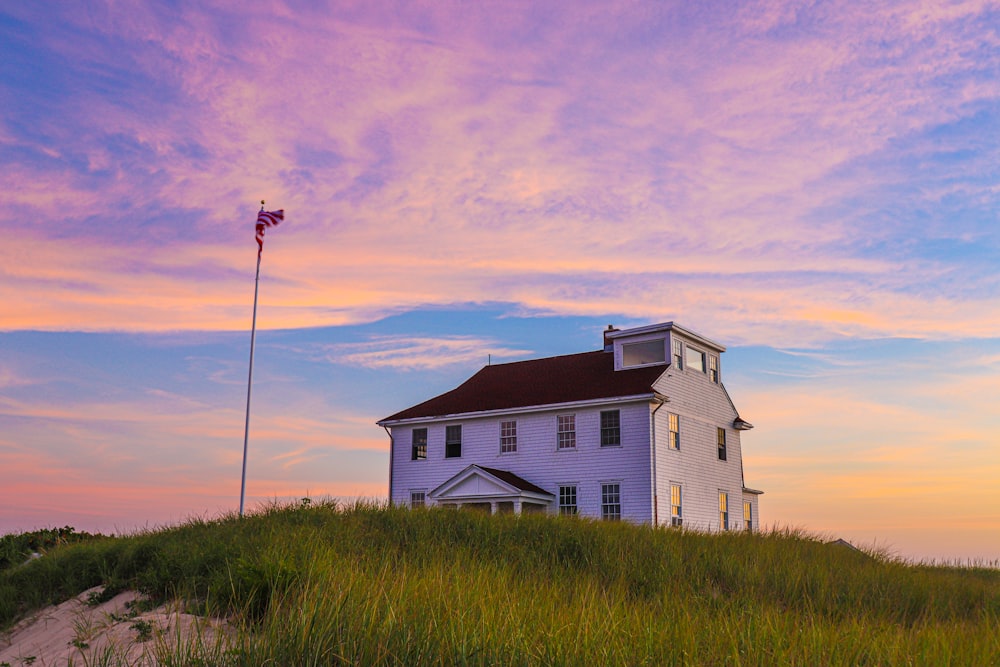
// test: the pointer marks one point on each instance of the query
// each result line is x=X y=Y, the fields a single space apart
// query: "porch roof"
x=481 y=482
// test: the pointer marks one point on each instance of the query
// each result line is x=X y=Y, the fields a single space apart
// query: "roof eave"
x=475 y=469
x=666 y=326
x=528 y=495
x=634 y=398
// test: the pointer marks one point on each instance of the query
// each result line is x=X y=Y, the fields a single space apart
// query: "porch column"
x=517 y=506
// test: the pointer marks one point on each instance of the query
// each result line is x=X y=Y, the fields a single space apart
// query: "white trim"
x=508 y=491
x=548 y=407
x=680 y=505
x=525 y=495
x=666 y=326
x=702 y=367
x=643 y=339
x=601 y=427
x=423 y=500
x=500 y=423
x=464 y=474
x=601 y=504
x=652 y=363
x=672 y=444
x=559 y=447
x=576 y=497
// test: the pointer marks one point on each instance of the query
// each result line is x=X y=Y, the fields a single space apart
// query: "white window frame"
x=676 y=505
x=566 y=509
x=673 y=431
x=611 y=501
x=449 y=441
x=713 y=368
x=700 y=355
x=617 y=428
x=720 y=443
x=748 y=515
x=508 y=436
x=678 y=357
x=565 y=435
x=414 y=444
x=723 y=510
x=648 y=345
x=414 y=501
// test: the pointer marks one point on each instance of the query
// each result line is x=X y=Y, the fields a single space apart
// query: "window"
x=419 y=450
x=508 y=436
x=647 y=352
x=713 y=368
x=723 y=510
x=673 y=431
x=695 y=359
x=418 y=499
x=679 y=355
x=721 y=438
x=567 y=499
x=676 y=510
x=566 y=431
x=748 y=515
x=453 y=441
x=611 y=428
x=611 y=502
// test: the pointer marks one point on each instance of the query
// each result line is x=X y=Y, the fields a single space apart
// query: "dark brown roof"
x=573 y=377
x=514 y=480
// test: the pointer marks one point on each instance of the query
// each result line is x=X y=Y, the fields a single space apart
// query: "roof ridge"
x=555 y=356
x=569 y=378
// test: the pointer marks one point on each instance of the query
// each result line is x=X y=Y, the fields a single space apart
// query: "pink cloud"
x=446 y=162
x=772 y=175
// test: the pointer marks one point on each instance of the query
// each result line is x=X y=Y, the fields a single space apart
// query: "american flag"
x=267 y=219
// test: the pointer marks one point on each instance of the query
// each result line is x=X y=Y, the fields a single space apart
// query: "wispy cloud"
x=615 y=161
x=416 y=353
x=784 y=174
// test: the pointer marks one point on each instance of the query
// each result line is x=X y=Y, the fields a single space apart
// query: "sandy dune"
x=110 y=633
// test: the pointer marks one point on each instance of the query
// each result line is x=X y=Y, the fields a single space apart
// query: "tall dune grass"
x=371 y=585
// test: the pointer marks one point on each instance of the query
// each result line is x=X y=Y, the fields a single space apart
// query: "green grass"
x=369 y=585
x=16 y=549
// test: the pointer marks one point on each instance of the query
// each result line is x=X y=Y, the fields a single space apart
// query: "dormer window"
x=662 y=344
x=644 y=353
x=695 y=359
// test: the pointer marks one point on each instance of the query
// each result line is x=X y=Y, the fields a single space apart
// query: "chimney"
x=608 y=345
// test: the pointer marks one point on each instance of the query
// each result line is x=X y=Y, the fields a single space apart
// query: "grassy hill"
x=370 y=585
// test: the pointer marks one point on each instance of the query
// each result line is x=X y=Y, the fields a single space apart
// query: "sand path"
x=111 y=633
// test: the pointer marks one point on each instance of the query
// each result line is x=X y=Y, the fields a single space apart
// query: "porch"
x=493 y=491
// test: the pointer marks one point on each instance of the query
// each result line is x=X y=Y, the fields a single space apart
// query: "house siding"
x=537 y=459
x=702 y=407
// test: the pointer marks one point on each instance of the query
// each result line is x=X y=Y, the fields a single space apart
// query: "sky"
x=813 y=184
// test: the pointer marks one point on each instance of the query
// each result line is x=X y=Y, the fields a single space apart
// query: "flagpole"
x=253 y=336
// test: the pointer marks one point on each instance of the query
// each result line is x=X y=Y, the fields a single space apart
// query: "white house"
x=642 y=430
